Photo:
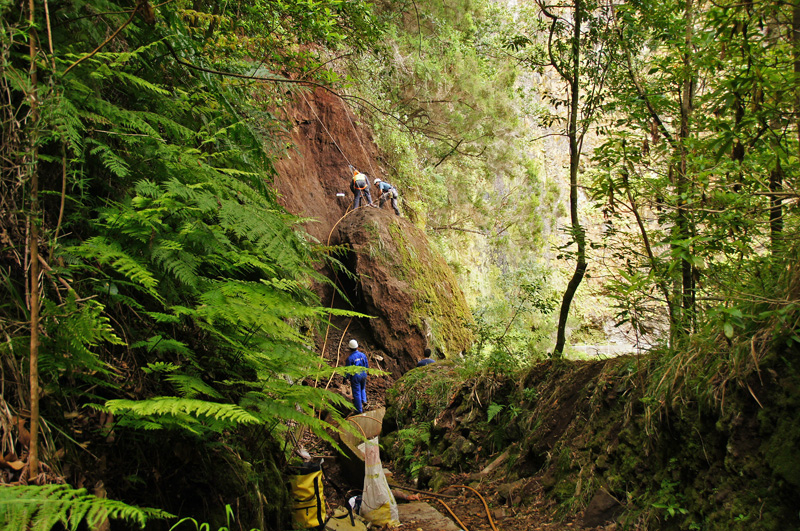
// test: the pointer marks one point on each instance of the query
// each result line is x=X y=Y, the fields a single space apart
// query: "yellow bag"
x=341 y=521
x=308 y=500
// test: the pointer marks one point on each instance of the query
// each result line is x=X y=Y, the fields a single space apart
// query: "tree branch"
x=113 y=35
x=460 y=229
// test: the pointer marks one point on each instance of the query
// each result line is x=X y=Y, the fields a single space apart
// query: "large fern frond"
x=32 y=508
x=191 y=386
x=111 y=253
x=169 y=405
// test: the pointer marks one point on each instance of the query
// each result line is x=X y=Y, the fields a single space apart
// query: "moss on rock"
x=591 y=428
x=406 y=286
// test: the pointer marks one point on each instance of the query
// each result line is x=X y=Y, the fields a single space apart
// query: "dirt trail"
x=506 y=513
x=503 y=499
x=336 y=352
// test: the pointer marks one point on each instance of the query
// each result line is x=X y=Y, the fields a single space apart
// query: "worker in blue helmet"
x=387 y=192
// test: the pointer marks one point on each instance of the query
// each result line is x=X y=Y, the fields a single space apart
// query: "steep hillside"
x=587 y=436
x=394 y=274
x=584 y=434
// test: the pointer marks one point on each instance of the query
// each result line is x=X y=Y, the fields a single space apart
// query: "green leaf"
x=728 y=328
x=42 y=508
x=493 y=410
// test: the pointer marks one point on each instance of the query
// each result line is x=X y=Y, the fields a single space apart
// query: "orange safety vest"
x=360 y=180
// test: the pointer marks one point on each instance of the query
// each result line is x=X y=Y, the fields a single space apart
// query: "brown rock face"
x=326 y=138
x=410 y=290
x=397 y=278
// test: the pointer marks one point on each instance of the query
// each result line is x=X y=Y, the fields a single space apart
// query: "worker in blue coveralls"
x=358 y=381
x=426 y=360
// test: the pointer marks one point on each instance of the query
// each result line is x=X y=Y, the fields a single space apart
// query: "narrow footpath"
x=472 y=503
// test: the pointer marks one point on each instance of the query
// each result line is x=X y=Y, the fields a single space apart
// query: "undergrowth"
x=700 y=436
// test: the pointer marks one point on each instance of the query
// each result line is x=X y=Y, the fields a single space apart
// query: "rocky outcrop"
x=405 y=285
x=396 y=277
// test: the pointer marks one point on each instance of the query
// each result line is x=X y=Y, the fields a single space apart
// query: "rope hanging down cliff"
x=325 y=128
x=352 y=125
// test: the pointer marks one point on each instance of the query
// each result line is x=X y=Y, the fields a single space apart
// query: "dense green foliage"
x=691 y=162
x=686 y=125
x=701 y=146
x=174 y=330
x=40 y=509
x=450 y=116
x=176 y=317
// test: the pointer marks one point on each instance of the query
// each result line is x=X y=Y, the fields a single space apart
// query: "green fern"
x=111 y=160
x=42 y=508
x=493 y=410
x=111 y=253
x=171 y=238
x=191 y=386
x=159 y=344
x=172 y=406
x=75 y=334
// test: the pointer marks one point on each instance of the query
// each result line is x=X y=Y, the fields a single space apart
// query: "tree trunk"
x=796 y=48
x=574 y=158
x=682 y=188
x=776 y=205
x=33 y=456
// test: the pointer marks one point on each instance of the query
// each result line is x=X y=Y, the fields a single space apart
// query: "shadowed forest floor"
x=539 y=512
x=507 y=513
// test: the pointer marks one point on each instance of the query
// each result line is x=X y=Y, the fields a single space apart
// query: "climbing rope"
x=449 y=510
x=357 y=425
x=425 y=492
x=358 y=137
x=355 y=132
x=326 y=129
x=336 y=278
x=325 y=340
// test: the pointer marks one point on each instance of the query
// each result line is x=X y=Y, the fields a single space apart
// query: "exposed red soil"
x=326 y=138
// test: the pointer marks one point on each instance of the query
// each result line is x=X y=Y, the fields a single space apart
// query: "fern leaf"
x=113 y=162
x=191 y=386
x=493 y=410
x=107 y=252
x=35 y=508
x=139 y=83
x=167 y=405
x=162 y=345
x=159 y=366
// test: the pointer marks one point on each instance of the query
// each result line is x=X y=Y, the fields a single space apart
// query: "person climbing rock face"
x=387 y=192
x=358 y=381
x=426 y=360
x=360 y=188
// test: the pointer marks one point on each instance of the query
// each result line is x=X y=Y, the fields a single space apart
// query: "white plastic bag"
x=377 y=502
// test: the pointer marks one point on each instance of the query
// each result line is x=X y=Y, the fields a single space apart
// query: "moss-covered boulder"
x=406 y=285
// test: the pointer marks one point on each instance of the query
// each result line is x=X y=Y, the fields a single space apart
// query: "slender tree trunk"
x=574 y=158
x=776 y=205
x=662 y=282
x=33 y=456
x=683 y=219
x=796 y=51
